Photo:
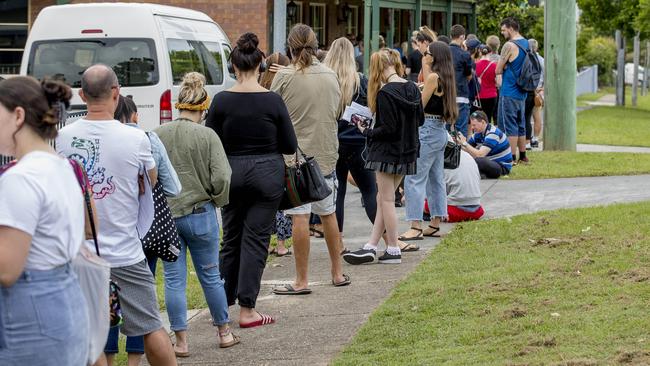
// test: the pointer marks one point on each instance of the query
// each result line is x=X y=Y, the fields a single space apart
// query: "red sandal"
x=266 y=320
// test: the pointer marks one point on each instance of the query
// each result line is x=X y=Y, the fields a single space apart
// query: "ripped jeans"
x=199 y=233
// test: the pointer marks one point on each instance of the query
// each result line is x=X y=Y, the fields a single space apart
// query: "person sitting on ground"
x=464 y=190
x=489 y=146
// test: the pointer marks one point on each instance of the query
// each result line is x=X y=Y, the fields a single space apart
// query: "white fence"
x=587 y=81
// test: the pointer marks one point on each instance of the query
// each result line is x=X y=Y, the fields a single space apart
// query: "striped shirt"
x=498 y=143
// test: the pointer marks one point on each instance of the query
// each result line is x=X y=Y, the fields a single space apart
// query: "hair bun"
x=248 y=43
x=193 y=80
x=56 y=92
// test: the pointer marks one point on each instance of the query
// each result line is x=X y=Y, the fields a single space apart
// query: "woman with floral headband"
x=198 y=156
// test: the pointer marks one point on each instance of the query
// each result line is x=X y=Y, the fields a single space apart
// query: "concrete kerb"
x=313 y=329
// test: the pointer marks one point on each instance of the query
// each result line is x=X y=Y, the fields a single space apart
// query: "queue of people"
x=229 y=154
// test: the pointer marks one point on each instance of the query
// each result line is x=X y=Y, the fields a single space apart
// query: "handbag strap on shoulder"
x=85 y=188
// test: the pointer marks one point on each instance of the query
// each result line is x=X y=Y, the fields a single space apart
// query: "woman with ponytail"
x=256 y=129
x=392 y=145
x=440 y=108
x=197 y=155
x=42 y=217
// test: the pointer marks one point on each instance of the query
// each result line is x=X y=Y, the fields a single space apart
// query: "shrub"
x=600 y=51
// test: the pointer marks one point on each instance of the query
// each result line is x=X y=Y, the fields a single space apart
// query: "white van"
x=149 y=46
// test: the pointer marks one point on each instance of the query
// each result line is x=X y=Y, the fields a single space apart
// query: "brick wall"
x=234 y=16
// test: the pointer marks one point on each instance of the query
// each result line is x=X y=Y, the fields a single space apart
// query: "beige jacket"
x=312 y=97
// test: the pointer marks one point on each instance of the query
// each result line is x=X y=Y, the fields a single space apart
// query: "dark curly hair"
x=44 y=102
x=247 y=56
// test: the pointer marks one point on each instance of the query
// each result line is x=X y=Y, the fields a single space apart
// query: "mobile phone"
x=359 y=120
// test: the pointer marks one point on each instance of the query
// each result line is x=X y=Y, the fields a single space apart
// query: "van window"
x=133 y=60
x=204 y=57
x=227 y=51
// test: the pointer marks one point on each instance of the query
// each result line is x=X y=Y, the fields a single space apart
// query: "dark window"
x=13 y=11
x=133 y=60
x=186 y=56
x=13 y=36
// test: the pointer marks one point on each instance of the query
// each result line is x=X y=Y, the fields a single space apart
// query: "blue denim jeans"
x=429 y=181
x=462 y=123
x=199 y=233
x=511 y=118
x=133 y=344
x=43 y=320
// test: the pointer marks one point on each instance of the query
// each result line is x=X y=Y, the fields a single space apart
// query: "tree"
x=641 y=22
x=606 y=16
x=530 y=18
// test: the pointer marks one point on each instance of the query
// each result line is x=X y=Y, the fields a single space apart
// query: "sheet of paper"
x=356 y=108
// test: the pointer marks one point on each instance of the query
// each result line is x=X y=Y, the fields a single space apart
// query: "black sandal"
x=409 y=238
x=434 y=233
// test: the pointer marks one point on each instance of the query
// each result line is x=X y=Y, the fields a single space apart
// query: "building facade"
x=271 y=20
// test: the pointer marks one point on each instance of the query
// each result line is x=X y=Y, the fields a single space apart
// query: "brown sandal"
x=235 y=339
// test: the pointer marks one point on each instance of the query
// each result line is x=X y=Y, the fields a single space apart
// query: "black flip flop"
x=409 y=238
x=434 y=233
x=289 y=290
x=277 y=254
x=345 y=282
x=409 y=247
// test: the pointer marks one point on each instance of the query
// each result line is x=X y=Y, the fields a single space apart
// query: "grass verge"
x=567 y=287
x=622 y=126
x=556 y=164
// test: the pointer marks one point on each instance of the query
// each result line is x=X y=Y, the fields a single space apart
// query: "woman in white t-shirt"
x=41 y=229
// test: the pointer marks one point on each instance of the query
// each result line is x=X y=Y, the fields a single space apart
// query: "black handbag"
x=452 y=152
x=303 y=183
x=162 y=239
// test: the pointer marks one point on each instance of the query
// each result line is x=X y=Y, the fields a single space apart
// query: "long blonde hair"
x=340 y=59
x=380 y=61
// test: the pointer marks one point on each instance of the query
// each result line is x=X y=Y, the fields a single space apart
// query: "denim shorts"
x=511 y=116
x=43 y=320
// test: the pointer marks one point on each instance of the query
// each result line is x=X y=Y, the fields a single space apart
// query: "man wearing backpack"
x=520 y=72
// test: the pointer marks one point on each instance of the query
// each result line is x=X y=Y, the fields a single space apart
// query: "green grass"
x=584 y=98
x=554 y=164
x=552 y=288
x=622 y=126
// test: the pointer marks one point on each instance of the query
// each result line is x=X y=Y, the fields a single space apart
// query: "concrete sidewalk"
x=313 y=329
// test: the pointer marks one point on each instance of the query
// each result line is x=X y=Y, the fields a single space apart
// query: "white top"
x=41 y=196
x=464 y=182
x=114 y=155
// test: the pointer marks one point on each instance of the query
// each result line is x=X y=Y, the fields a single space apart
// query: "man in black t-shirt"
x=414 y=63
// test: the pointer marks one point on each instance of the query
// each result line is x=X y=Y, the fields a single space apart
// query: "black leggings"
x=489 y=106
x=255 y=192
x=490 y=168
x=350 y=160
x=530 y=104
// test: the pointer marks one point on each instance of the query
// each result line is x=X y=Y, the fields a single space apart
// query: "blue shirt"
x=462 y=69
x=498 y=143
x=166 y=172
x=509 y=86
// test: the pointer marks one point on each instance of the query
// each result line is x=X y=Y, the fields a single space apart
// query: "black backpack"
x=531 y=71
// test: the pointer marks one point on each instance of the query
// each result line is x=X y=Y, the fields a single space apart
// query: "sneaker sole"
x=390 y=261
x=358 y=259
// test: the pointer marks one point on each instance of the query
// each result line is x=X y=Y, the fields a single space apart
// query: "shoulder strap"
x=85 y=188
x=486 y=69
x=523 y=49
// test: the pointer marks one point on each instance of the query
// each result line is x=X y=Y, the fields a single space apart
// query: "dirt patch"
x=526 y=351
x=634 y=358
x=586 y=261
x=636 y=275
x=545 y=342
x=543 y=221
x=514 y=313
x=578 y=362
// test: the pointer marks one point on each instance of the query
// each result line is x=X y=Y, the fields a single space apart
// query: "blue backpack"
x=531 y=71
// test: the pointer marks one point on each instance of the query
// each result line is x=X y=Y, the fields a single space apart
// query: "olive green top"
x=198 y=157
x=312 y=96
